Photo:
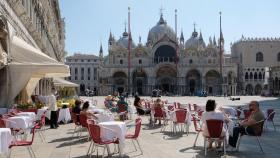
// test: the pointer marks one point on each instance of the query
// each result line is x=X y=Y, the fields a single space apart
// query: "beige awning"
x=28 y=62
x=59 y=82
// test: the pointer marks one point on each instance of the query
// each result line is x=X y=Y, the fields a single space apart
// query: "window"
x=70 y=70
x=251 y=75
x=260 y=76
x=246 y=76
x=88 y=77
x=94 y=60
x=76 y=78
x=88 y=60
x=259 y=56
x=190 y=61
x=88 y=71
x=82 y=73
x=278 y=56
x=76 y=71
x=140 y=61
x=82 y=60
x=255 y=76
x=121 y=61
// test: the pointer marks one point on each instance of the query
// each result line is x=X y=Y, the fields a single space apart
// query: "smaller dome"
x=123 y=41
x=194 y=41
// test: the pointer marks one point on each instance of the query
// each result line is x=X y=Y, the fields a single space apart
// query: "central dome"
x=160 y=30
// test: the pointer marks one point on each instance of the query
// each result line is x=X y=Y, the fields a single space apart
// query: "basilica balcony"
x=164 y=60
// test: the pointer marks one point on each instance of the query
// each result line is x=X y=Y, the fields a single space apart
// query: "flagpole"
x=129 y=51
x=221 y=54
x=176 y=59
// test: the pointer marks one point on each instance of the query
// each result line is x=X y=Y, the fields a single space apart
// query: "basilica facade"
x=167 y=63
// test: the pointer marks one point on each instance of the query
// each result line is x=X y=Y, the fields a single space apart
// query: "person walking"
x=53 y=109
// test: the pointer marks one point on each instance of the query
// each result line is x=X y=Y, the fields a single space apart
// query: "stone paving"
x=156 y=144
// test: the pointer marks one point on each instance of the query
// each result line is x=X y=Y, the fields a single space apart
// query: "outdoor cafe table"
x=31 y=115
x=117 y=130
x=23 y=122
x=104 y=117
x=64 y=115
x=5 y=140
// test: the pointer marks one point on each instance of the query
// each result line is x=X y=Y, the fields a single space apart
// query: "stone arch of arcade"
x=119 y=81
x=212 y=82
x=139 y=81
x=166 y=79
x=193 y=82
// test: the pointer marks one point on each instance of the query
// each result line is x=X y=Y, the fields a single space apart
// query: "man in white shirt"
x=53 y=109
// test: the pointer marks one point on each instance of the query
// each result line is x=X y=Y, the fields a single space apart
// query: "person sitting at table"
x=139 y=107
x=158 y=103
x=85 y=111
x=245 y=127
x=77 y=109
x=211 y=114
x=122 y=102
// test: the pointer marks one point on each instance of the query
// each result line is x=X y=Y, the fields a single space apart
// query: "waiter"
x=53 y=109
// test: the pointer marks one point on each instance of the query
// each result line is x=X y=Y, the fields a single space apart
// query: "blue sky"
x=88 y=22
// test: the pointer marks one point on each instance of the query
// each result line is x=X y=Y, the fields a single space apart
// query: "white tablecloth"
x=23 y=122
x=5 y=140
x=104 y=117
x=64 y=115
x=40 y=113
x=31 y=115
x=119 y=129
x=229 y=110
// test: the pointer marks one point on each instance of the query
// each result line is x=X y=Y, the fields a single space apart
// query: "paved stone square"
x=61 y=144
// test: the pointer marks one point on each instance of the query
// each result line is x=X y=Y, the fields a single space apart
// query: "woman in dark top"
x=140 y=109
x=77 y=109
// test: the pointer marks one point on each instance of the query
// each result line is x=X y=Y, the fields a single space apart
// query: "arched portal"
x=258 y=89
x=139 y=78
x=249 y=89
x=166 y=79
x=212 y=79
x=119 y=81
x=165 y=53
x=193 y=82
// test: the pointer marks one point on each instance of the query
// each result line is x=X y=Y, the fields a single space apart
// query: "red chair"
x=270 y=117
x=2 y=123
x=159 y=114
x=215 y=128
x=25 y=143
x=258 y=129
x=40 y=126
x=95 y=134
x=135 y=136
x=181 y=118
x=84 y=124
x=197 y=127
x=77 y=128
x=247 y=113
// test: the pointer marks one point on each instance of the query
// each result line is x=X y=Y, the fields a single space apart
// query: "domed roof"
x=194 y=41
x=159 y=30
x=123 y=41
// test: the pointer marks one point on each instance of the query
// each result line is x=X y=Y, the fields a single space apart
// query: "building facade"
x=168 y=63
x=84 y=70
x=255 y=58
x=26 y=27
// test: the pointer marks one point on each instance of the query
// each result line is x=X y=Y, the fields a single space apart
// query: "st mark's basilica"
x=165 y=62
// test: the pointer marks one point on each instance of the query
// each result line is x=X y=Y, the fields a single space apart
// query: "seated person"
x=77 y=109
x=122 y=102
x=85 y=111
x=245 y=127
x=158 y=103
x=211 y=114
x=139 y=108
